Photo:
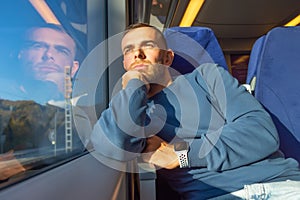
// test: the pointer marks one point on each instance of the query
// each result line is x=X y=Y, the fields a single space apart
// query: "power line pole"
x=68 y=110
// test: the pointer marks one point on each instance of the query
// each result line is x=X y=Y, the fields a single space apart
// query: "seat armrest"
x=147 y=181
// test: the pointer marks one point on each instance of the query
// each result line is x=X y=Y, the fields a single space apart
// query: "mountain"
x=27 y=124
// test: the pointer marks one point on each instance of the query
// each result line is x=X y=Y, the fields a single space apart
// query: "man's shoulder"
x=208 y=67
x=204 y=70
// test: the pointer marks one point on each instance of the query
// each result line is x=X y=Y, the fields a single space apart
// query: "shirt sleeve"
x=119 y=132
x=245 y=132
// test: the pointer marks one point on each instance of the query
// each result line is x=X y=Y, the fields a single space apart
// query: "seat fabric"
x=275 y=61
x=193 y=46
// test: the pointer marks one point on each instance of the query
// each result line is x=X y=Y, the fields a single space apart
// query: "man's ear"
x=74 y=68
x=168 y=57
x=124 y=65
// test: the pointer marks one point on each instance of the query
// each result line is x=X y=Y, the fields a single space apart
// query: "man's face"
x=46 y=54
x=143 y=50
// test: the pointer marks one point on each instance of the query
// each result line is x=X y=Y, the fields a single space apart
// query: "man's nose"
x=49 y=54
x=139 y=53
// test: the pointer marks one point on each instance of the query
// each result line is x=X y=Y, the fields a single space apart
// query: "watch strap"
x=182 y=158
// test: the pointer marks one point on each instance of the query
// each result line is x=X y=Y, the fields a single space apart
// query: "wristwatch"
x=181 y=150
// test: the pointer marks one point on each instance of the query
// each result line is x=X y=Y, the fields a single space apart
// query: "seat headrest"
x=277 y=68
x=193 y=46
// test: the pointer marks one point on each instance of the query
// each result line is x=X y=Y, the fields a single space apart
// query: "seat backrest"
x=193 y=46
x=275 y=61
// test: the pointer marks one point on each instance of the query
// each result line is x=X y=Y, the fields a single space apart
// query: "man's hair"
x=141 y=25
x=29 y=30
x=55 y=27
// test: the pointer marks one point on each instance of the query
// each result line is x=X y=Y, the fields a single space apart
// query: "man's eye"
x=34 y=45
x=149 y=45
x=63 y=51
x=127 y=50
x=37 y=46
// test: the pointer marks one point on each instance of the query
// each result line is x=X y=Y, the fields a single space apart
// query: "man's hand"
x=159 y=153
x=58 y=79
x=165 y=157
x=131 y=75
x=9 y=165
x=153 y=143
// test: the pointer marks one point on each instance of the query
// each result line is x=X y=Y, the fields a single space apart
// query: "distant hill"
x=26 y=124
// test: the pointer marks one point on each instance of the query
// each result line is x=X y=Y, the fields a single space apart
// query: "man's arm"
x=120 y=133
x=246 y=133
x=240 y=131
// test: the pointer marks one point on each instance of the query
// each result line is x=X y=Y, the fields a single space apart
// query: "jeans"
x=283 y=190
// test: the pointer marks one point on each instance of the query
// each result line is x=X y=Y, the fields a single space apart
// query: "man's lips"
x=47 y=68
x=139 y=66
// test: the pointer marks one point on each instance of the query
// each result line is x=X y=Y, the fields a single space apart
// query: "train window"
x=43 y=43
x=159 y=12
x=239 y=67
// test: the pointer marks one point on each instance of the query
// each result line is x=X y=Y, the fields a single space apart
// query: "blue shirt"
x=232 y=139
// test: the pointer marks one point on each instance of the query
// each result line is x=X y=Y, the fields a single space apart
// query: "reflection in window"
x=38 y=63
x=159 y=11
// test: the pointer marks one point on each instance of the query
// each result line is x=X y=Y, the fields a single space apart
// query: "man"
x=46 y=51
x=204 y=132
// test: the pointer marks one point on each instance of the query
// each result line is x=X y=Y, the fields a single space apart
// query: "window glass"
x=159 y=12
x=239 y=67
x=42 y=46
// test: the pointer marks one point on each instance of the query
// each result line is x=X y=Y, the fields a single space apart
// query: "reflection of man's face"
x=46 y=54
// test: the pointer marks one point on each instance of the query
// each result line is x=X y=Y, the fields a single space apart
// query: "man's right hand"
x=58 y=79
x=132 y=75
x=9 y=165
x=153 y=143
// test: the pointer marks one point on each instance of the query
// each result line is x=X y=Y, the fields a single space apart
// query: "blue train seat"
x=193 y=46
x=275 y=65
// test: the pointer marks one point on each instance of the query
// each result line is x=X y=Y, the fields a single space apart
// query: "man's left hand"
x=165 y=157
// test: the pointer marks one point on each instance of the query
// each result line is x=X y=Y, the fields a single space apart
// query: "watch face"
x=179 y=146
